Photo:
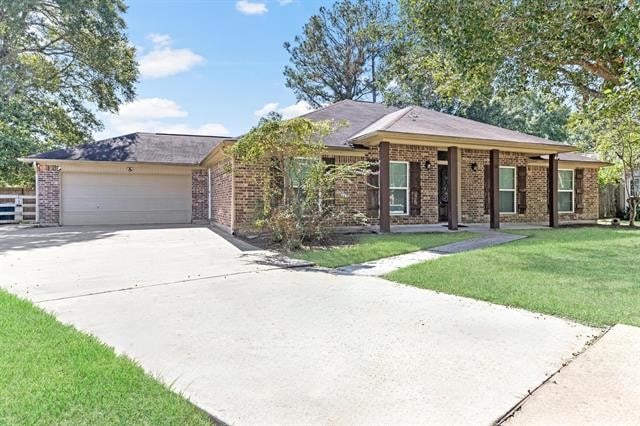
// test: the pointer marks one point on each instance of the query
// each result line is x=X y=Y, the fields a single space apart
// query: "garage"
x=119 y=198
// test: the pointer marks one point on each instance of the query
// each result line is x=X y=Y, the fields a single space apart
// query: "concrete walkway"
x=384 y=266
x=600 y=387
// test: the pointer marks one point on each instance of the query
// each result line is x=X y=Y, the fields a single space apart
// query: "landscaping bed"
x=589 y=274
x=53 y=374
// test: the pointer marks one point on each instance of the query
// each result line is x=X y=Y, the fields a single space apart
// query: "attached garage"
x=140 y=178
x=125 y=198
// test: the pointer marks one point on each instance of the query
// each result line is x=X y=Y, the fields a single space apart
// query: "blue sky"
x=209 y=66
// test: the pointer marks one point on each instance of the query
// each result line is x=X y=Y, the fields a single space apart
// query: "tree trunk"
x=633 y=208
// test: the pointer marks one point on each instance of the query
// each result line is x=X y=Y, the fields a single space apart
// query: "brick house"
x=433 y=167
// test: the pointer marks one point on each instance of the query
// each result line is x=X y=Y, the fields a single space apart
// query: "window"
x=399 y=187
x=507 y=189
x=565 y=191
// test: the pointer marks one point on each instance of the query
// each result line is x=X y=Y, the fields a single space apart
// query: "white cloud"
x=299 y=108
x=155 y=115
x=251 y=8
x=270 y=107
x=290 y=111
x=152 y=108
x=164 y=60
x=160 y=39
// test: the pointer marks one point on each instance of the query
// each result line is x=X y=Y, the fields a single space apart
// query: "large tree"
x=574 y=47
x=60 y=62
x=336 y=56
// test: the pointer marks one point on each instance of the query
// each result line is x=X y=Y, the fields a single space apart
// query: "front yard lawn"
x=589 y=274
x=372 y=247
x=53 y=374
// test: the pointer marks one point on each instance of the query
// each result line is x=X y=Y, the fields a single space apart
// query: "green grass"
x=591 y=275
x=52 y=374
x=372 y=247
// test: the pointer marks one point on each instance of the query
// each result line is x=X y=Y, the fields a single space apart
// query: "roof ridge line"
x=409 y=108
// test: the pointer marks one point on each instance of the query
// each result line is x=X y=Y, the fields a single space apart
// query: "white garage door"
x=119 y=199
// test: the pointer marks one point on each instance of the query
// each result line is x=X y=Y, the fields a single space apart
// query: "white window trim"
x=400 y=187
x=573 y=189
x=514 y=190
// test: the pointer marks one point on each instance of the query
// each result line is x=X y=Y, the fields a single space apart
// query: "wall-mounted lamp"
x=427 y=165
x=129 y=169
x=474 y=166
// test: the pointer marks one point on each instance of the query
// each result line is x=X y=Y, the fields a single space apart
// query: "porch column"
x=552 y=184
x=494 y=189
x=385 y=216
x=452 y=187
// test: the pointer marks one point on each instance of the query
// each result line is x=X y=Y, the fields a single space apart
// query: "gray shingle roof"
x=354 y=116
x=423 y=121
x=141 y=147
x=577 y=157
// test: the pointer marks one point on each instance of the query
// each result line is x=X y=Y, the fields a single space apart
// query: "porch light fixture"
x=474 y=166
x=129 y=169
x=427 y=165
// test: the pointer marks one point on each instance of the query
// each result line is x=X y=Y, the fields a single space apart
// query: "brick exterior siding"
x=472 y=190
x=48 y=195
x=199 y=195
x=351 y=194
x=222 y=193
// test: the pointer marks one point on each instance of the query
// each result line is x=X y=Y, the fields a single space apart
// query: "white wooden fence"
x=17 y=208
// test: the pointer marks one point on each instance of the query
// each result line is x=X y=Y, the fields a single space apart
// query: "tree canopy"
x=575 y=47
x=335 y=57
x=60 y=61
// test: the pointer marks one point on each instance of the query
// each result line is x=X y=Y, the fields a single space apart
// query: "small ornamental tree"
x=298 y=186
x=611 y=126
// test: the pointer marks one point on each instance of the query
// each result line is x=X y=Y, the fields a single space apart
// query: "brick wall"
x=472 y=190
x=221 y=193
x=351 y=193
x=199 y=194
x=48 y=195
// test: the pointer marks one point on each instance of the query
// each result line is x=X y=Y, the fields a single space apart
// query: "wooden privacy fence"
x=17 y=205
x=611 y=200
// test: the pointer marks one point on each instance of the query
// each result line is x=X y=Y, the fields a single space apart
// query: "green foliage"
x=60 y=60
x=472 y=48
x=334 y=58
x=53 y=374
x=611 y=126
x=588 y=274
x=298 y=187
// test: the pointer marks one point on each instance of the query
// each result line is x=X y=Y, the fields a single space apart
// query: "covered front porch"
x=457 y=187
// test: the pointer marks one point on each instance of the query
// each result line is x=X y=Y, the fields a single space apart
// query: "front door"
x=443 y=192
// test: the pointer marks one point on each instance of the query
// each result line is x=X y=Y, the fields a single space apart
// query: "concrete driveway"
x=253 y=343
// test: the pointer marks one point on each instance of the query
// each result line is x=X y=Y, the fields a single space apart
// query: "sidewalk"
x=601 y=386
x=384 y=266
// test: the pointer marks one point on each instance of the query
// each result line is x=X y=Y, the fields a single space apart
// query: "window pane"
x=507 y=201
x=398 y=201
x=507 y=179
x=565 y=201
x=565 y=179
x=398 y=175
x=443 y=156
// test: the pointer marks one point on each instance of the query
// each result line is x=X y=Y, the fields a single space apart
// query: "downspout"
x=209 y=196
x=35 y=168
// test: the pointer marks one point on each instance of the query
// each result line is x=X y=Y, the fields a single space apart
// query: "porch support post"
x=452 y=187
x=385 y=216
x=494 y=189
x=552 y=180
